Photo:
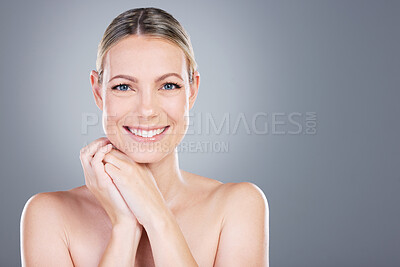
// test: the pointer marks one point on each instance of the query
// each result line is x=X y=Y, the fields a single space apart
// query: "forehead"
x=144 y=57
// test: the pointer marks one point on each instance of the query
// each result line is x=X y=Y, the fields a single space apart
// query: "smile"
x=142 y=135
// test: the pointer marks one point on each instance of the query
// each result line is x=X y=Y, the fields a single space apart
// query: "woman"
x=138 y=208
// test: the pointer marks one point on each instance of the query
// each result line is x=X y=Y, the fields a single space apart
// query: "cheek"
x=114 y=110
x=176 y=108
x=117 y=106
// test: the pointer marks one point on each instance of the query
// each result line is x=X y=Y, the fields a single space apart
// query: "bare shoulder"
x=243 y=213
x=244 y=190
x=242 y=196
x=46 y=203
x=245 y=222
x=230 y=194
x=57 y=208
x=57 y=201
x=44 y=227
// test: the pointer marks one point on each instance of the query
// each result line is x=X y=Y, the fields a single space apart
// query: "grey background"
x=333 y=195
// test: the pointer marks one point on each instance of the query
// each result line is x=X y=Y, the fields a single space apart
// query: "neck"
x=168 y=176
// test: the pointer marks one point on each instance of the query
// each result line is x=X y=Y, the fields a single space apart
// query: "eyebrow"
x=135 y=80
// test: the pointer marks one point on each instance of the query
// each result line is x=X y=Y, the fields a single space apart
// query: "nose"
x=148 y=104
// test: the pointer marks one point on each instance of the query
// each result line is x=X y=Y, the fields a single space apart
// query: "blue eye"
x=121 y=87
x=169 y=86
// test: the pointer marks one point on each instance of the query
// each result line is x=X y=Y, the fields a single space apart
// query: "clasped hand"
x=126 y=189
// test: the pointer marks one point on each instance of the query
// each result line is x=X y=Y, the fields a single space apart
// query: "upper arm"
x=244 y=238
x=43 y=238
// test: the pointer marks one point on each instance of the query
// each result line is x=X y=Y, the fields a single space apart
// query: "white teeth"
x=144 y=133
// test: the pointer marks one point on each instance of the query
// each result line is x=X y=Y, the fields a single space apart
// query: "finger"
x=112 y=170
x=113 y=159
x=92 y=177
x=97 y=163
x=97 y=160
x=121 y=159
x=121 y=155
x=87 y=153
x=94 y=144
x=91 y=149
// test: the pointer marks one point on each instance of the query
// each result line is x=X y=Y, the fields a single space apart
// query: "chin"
x=145 y=157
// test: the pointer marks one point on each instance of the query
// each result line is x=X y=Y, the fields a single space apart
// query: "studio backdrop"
x=297 y=97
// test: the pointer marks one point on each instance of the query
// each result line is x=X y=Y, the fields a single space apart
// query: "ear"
x=194 y=88
x=96 y=88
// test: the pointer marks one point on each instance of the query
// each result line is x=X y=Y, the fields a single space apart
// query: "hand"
x=136 y=184
x=102 y=186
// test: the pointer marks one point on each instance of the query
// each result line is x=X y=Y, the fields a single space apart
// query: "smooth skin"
x=139 y=208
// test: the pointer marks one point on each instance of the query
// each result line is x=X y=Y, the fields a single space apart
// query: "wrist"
x=160 y=221
x=125 y=226
x=125 y=220
x=128 y=233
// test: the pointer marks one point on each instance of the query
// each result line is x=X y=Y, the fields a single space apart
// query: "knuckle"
x=82 y=152
x=96 y=157
x=95 y=165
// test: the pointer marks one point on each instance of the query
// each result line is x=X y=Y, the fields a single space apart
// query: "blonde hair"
x=149 y=21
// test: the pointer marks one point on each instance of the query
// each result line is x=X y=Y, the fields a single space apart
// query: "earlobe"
x=96 y=89
x=194 y=89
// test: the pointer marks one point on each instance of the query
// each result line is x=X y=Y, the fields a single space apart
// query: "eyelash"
x=177 y=86
x=121 y=84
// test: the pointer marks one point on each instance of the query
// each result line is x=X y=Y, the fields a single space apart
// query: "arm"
x=139 y=189
x=44 y=241
x=126 y=231
x=43 y=238
x=122 y=247
x=168 y=243
x=244 y=238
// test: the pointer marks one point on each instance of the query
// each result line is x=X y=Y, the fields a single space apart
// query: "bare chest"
x=200 y=227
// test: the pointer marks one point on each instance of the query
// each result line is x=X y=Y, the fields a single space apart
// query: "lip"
x=146 y=128
x=141 y=139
